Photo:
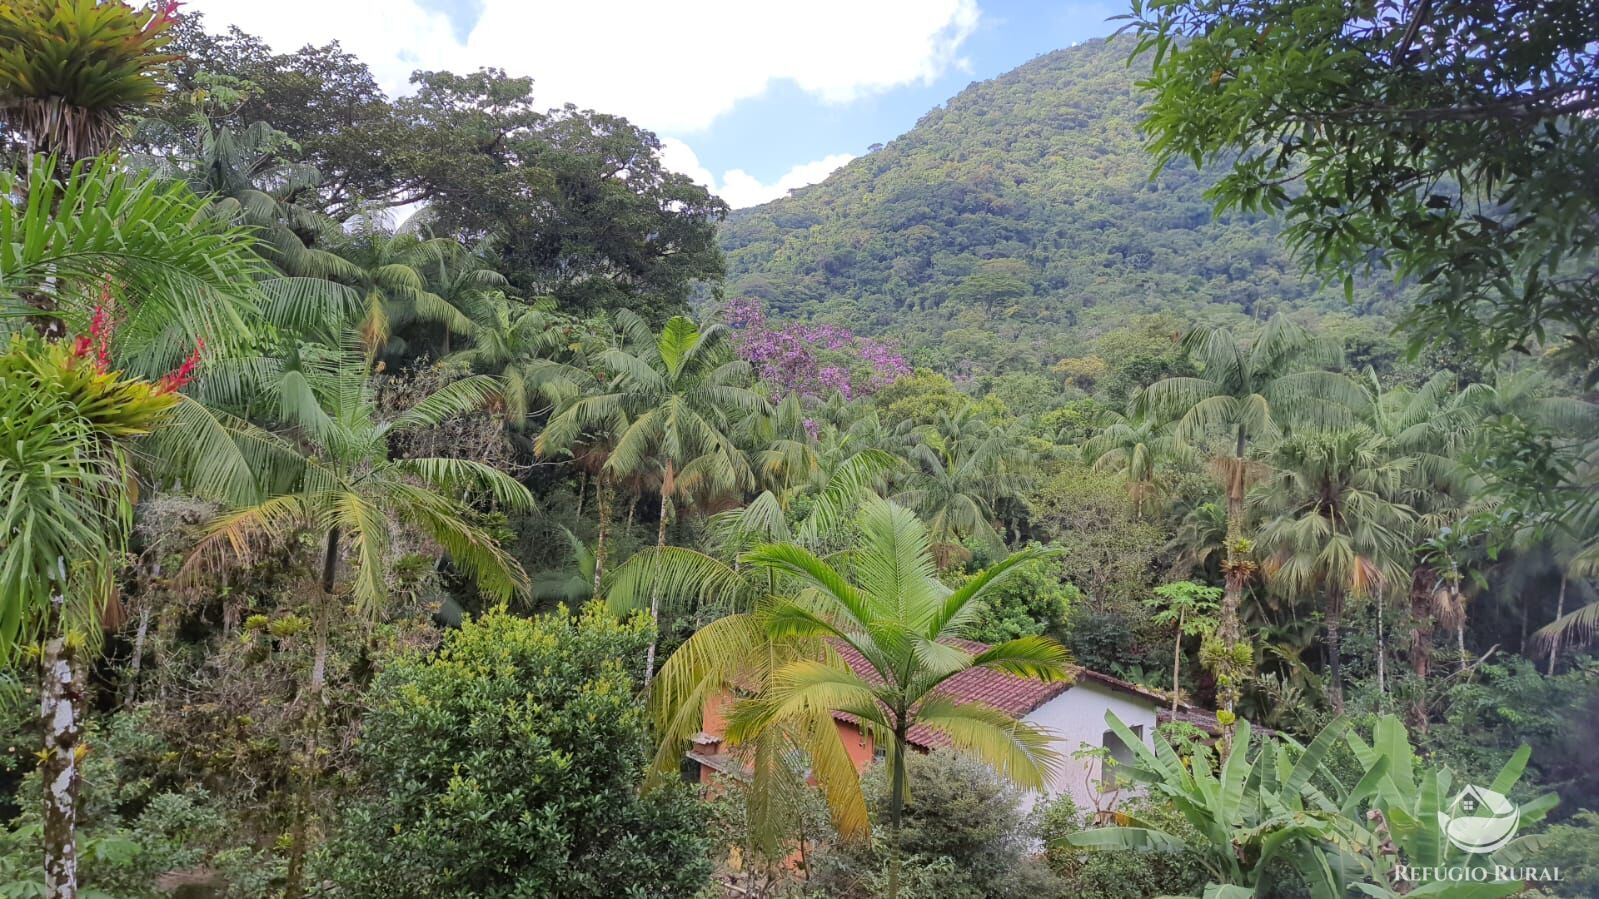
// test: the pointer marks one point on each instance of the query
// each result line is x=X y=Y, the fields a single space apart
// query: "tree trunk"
x=1560 y=612
x=294 y=880
x=1421 y=624
x=1176 y=660
x=131 y=690
x=59 y=694
x=896 y=808
x=1335 y=660
x=1382 y=654
x=1237 y=571
x=667 y=485
x=602 y=506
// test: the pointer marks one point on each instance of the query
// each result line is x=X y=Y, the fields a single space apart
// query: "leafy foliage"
x=506 y=765
x=1438 y=142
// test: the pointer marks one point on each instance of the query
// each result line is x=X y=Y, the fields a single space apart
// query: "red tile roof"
x=1017 y=696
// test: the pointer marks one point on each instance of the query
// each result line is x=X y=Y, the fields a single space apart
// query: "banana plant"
x=1283 y=808
x=1252 y=811
x=1406 y=824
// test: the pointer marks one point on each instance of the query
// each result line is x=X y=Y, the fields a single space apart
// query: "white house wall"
x=1077 y=718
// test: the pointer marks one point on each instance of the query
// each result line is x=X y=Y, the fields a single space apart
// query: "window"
x=1117 y=753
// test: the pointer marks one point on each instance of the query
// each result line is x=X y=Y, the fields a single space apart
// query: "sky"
x=750 y=97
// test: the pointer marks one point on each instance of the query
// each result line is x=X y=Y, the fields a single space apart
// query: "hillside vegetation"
x=1014 y=223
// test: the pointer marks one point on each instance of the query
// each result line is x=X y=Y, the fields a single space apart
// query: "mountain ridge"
x=1025 y=206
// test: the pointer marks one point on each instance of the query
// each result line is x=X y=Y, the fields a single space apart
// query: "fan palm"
x=70 y=70
x=1332 y=526
x=883 y=600
x=1246 y=391
x=671 y=404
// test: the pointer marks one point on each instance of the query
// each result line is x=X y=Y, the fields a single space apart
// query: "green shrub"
x=1101 y=874
x=508 y=764
x=964 y=837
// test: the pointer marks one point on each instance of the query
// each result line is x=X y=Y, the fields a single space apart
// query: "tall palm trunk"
x=668 y=484
x=1236 y=572
x=59 y=694
x=294 y=880
x=1176 y=662
x=1421 y=629
x=1560 y=612
x=1335 y=637
x=1382 y=655
x=896 y=805
x=602 y=498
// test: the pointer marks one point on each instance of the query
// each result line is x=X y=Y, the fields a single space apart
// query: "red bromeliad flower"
x=179 y=379
x=98 y=340
x=97 y=345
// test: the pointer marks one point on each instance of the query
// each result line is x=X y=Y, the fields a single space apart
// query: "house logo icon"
x=1480 y=820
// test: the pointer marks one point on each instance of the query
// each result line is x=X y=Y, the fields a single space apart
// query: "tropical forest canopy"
x=347 y=554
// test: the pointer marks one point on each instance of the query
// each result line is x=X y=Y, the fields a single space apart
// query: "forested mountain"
x=1014 y=223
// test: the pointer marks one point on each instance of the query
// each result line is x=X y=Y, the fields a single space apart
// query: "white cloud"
x=738 y=187
x=671 y=67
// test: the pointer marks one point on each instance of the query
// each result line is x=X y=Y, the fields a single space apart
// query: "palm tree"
x=390 y=273
x=1134 y=448
x=178 y=276
x=241 y=171
x=1332 y=525
x=543 y=358
x=65 y=426
x=71 y=71
x=671 y=404
x=1430 y=426
x=1247 y=391
x=962 y=468
x=881 y=599
x=334 y=478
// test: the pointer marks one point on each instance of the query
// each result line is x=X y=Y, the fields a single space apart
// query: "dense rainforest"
x=1018 y=222
x=356 y=555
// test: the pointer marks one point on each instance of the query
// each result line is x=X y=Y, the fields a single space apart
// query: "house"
x=1074 y=711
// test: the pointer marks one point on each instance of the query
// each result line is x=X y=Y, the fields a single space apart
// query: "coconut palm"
x=1332 y=527
x=66 y=422
x=71 y=71
x=883 y=600
x=672 y=404
x=1246 y=391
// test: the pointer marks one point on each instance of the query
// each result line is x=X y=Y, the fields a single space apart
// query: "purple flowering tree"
x=812 y=360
